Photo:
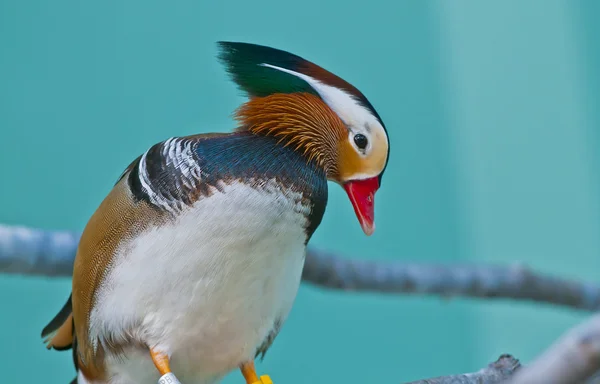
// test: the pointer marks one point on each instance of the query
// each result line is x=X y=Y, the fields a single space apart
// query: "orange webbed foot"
x=249 y=373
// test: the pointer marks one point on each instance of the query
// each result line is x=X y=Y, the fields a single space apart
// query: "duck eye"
x=361 y=141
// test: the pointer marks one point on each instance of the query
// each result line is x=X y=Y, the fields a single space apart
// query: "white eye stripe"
x=358 y=118
x=343 y=104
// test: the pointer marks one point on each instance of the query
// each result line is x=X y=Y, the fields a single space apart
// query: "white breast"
x=208 y=288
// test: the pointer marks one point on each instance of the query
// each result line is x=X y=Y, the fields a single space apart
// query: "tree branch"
x=28 y=251
x=572 y=359
x=476 y=281
x=495 y=373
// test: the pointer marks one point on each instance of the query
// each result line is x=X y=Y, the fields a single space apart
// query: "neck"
x=253 y=160
x=300 y=120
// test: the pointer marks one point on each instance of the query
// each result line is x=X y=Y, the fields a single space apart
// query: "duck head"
x=317 y=113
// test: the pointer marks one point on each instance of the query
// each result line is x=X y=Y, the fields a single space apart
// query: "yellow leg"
x=161 y=361
x=249 y=373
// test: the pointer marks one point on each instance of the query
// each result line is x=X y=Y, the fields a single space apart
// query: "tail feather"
x=59 y=332
x=75 y=355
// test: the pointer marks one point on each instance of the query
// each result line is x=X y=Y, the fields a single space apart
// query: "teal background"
x=492 y=112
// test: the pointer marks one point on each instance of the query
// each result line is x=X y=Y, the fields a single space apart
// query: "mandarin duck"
x=189 y=267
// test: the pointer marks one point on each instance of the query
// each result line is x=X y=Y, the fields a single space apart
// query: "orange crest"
x=301 y=120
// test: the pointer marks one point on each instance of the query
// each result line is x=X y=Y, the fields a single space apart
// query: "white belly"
x=208 y=289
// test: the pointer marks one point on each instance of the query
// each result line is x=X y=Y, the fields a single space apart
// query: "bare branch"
x=28 y=251
x=495 y=373
x=475 y=281
x=574 y=358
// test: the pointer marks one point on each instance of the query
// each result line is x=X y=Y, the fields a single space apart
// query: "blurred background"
x=492 y=112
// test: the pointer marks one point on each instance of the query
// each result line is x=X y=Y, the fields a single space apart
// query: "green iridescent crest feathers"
x=249 y=65
x=243 y=62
